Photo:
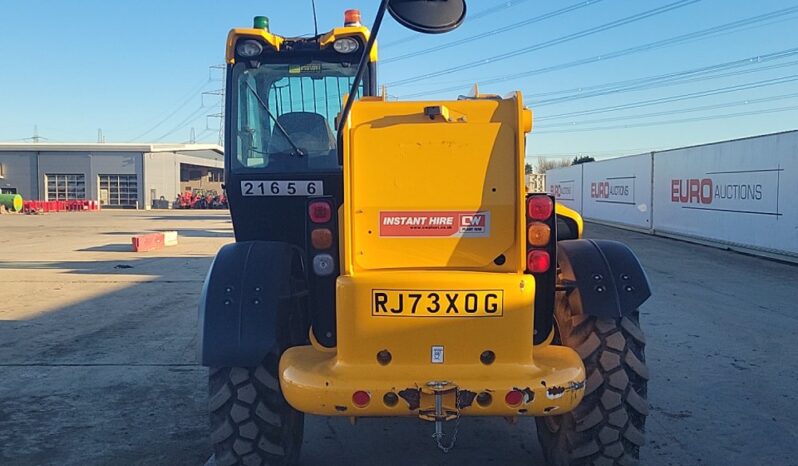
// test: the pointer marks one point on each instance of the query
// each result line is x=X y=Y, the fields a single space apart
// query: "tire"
x=251 y=423
x=607 y=428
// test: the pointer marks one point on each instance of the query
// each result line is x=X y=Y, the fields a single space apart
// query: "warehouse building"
x=116 y=175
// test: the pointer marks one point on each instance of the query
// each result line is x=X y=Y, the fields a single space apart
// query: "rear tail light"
x=539 y=207
x=538 y=234
x=538 y=261
x=541 y=261
x=321 y=238
x=323 y=265
x=320 y=212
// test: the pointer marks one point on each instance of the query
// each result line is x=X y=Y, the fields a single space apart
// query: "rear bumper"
x=437 y=348
x=316 y=382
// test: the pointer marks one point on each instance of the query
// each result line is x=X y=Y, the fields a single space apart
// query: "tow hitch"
x=439 y=404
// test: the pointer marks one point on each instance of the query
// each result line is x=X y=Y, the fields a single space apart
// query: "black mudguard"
x=607 y=278
x=245 y=297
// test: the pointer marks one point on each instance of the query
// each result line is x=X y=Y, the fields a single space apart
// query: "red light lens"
x=539 y=207
x=320 y=212
x=361 y=398
x=538 y=261
x=351 y=17
x=514 y=397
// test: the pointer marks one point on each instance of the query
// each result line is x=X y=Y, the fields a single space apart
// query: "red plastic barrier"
x=78 y=205
x=148 y=242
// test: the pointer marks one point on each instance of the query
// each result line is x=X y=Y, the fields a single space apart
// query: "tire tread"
x=608 y=426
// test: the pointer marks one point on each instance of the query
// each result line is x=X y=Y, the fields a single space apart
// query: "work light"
x=346 y=45
x=249 y=48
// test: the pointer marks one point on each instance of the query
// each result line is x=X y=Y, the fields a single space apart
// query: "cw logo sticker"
x=474 y=223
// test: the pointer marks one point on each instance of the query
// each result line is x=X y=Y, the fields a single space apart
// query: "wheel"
x=607 y=428
x=251 y=423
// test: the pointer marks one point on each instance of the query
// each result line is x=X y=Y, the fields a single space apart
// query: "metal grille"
x=65 y=187
x=119 y=190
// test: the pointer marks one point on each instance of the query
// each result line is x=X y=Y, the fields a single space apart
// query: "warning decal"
x=435 y=224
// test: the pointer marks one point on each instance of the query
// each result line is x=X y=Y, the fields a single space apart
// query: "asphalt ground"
x=98 y=363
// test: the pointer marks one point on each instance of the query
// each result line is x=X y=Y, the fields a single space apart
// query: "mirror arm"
x=361 y=70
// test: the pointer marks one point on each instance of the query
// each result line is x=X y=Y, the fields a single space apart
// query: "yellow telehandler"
x=389 y=262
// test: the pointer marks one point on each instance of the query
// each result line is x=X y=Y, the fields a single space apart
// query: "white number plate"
x=282 y=188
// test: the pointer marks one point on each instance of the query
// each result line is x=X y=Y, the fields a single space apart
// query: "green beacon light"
x=261 y=22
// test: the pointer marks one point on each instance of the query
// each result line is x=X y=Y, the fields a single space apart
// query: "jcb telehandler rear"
x=392 y=263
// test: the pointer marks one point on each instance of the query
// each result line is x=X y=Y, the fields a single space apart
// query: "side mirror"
x=428 y=16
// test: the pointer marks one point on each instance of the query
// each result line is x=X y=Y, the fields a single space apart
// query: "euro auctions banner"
x=742 y=192
x=619 y=190
x=565 y=184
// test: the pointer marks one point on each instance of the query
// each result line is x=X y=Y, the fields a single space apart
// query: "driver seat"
x=309 y=131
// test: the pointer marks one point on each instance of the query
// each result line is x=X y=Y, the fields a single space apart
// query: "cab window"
x=280 y=107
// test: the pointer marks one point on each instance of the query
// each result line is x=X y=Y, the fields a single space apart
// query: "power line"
x=185 y=122
x=670 y=122
x=668 y=83
x=471 y=18
x=704 y=33
x=467 y=40
x=192 y=94
x=667 y=79
x=598 y=154
x=552 y=42
x=675 y=112
x=35 y=138
x=677 y=98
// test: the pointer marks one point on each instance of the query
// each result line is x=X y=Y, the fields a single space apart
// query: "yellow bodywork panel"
x=276 y=42
x=349 y=31
x=565 y=211
x=434 y=185
x=263 y=35
x=323 y=382
x=433 y=271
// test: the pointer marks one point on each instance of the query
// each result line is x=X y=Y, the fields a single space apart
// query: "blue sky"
x=138 y=69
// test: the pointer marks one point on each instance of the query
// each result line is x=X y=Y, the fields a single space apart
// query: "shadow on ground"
x=185 y=267
x=110 y=378
x=184 y=232
x=120 y=247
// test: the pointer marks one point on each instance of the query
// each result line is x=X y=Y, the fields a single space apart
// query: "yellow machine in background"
x=389 y=262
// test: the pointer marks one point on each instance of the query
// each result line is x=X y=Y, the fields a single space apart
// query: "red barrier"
x=77 y=205
x=148 y=242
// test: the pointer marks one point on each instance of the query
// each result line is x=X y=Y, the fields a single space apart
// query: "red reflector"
x=514 y=397
x=361 y=398
x=538 y=261
x=320 y=212
x=539 y=207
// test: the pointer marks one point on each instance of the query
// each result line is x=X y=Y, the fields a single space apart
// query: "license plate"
x=437 y=303
x=282 y=188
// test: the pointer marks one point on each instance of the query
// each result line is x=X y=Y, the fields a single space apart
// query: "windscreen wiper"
x=297 y=151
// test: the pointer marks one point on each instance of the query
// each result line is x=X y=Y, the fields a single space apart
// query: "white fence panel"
x=619 y=190
x=742 y=192
x=566 y=185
